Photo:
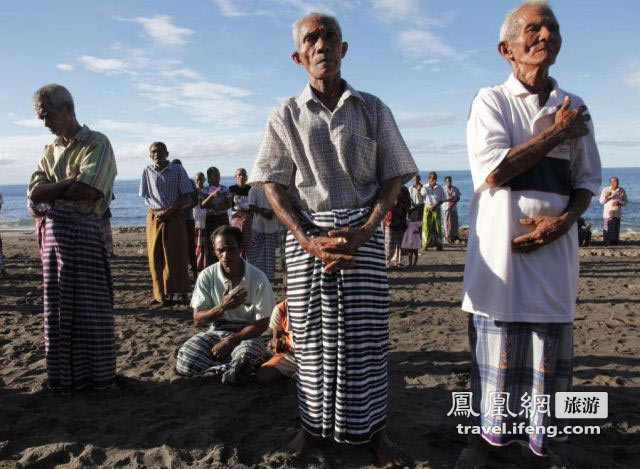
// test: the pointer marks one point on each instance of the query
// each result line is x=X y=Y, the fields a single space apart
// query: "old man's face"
x=321 y=48
x=539 y=40
x=55 y=119
x=158 y=155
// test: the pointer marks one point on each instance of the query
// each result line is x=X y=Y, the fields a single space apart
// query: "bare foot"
x=300 y=444
x=389 y=454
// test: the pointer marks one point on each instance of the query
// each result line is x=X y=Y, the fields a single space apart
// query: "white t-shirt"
x=261 y=224
x=452 y=191
x=209 y=291
x=432 y=195
x=540 y=286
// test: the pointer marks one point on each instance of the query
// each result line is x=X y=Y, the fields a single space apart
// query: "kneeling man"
x=236 y=298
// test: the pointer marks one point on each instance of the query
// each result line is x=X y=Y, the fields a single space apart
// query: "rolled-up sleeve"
x=586 y=168
x=488 y=140
x=274 y=162
x=393 y=156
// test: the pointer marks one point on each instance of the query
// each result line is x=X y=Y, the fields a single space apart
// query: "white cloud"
x=161 y=29
x=23 y=150
x=278 y=9
x=182 y=73
x=65 y=67
x=421 y=43
x=204 y=101
x=108 y=66
x=394 y=10
x=35 y=123
x=229 y=9
x=633 y=78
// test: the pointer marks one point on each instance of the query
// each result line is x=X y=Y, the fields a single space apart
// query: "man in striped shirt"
x=332 y=163
x=167 y=191
x=75 y=179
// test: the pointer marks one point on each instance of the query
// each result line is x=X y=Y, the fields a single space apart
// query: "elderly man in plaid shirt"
x=166 y=190
x=332 y=163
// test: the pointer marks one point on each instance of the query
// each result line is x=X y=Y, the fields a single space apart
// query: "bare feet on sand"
x=299 y=445
x=389 y=454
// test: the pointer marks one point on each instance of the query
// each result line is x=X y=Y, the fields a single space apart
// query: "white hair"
x=297 y=23
x=55 y=95
x=512 y=22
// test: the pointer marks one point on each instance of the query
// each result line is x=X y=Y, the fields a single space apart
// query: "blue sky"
x=203 y=75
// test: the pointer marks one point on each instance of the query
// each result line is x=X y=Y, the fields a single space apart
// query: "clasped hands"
x=337 y=249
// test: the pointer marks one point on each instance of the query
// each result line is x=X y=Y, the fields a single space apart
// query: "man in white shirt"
x=535 y=167
x=237 y=299
x=450 y=208
x=433 y=197
x=613 y=198
x=264 y=233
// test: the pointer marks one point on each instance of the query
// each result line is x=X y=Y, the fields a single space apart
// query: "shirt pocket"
x=360 y=155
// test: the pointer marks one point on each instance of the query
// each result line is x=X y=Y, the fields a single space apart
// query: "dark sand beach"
x=158 y=419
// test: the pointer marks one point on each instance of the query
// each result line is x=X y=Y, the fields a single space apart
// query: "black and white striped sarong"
x=78 y=302
x=262 y=253
x=340 y=328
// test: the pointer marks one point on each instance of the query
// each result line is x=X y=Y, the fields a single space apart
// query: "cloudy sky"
x=203 y=75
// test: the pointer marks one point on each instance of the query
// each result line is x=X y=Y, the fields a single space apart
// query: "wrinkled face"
x=55 y=119
x=213 y=177
x=228 y=252
x=539 y=40
x=321 y=48
x=614 y=183
x=158 y=155
x=241 y=177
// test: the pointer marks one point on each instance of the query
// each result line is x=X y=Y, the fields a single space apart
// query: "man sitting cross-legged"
x=236 y=298
x=283 y=363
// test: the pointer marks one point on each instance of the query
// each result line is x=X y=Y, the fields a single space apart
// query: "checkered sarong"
x=521 y=359
x=340 y=326
x=611 y=230
x=263 y=252
x=78 y=302
x=195 y=357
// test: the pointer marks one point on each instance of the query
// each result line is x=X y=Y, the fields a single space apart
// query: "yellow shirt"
x=89 y=153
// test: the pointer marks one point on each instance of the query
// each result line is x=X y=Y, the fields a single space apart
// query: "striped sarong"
x=167 y=254
x=392 y=243
x=243 y=221
x=108 y=235
x=40 y=225
x=201 y=248
x=431 y=228
x=340 y=326
x=611 y=230
x=1 y=255
x=263 y=252
x=195 y=357
x=78 y=302
x=521 y=359
x=450 y=226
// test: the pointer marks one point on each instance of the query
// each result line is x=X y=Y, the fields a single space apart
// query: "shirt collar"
x=81 y=136
x=516 y=88
x=224 y=279
x=308 y=95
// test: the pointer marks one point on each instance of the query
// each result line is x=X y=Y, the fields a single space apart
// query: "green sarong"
x=431 y=228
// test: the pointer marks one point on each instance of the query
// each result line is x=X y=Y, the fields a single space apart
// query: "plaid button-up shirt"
x=332 y=160
x=89 y=154
x=161 y=189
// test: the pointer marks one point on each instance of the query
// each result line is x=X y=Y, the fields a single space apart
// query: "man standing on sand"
x=613 y=198
x=535 y=166
x=433 y=196
x=167 y=191
x=450 y=208
x=75 y=179
x=331 y=189
x=417 y=201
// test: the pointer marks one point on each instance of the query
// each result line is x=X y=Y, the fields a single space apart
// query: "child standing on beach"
x=411 y=238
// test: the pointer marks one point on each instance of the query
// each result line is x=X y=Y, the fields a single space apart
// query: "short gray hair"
x=512 y=23
x=295 y=29
x=55 y=95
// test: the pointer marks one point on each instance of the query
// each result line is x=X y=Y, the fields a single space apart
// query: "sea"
x=128 y=208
